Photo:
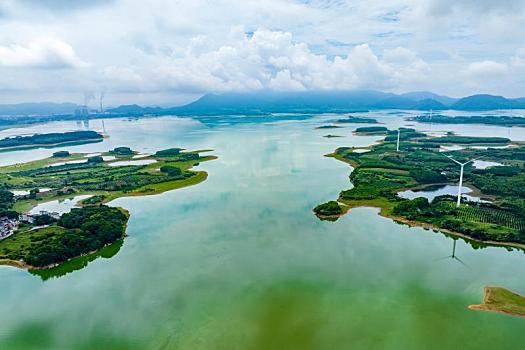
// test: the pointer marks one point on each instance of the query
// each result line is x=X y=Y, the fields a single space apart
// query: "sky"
x=161 y=52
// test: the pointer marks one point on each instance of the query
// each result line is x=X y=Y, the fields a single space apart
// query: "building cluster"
x=7 y=227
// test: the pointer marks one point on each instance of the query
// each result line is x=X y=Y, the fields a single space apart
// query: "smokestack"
x=102 y=94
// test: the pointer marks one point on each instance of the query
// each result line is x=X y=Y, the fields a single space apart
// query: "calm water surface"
x=240 y=261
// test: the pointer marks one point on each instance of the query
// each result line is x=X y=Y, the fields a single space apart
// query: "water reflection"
x=78 y=263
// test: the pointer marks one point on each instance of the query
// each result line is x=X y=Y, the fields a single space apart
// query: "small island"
x=371 y=130
x=41 y=241
x=50 y=140
x=353 y=119
x=502 y=120
x=329 y=127
x=382 y=173
x=501 y=300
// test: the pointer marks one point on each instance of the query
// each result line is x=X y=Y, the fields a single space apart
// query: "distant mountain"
x=430 y=104
x=395 y=102
x=38 y=109
x=252 y=103
x=275 y=102
x=135 y=110
x=487 y=102
x=425 y=95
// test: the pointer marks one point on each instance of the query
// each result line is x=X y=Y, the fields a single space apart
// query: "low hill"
x=486 y=102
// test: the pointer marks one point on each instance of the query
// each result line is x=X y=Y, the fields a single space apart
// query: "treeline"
x=488 y=119
x=50 y=139
x=7 y=200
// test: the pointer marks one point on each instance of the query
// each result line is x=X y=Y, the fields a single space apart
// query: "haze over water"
x=240 y=261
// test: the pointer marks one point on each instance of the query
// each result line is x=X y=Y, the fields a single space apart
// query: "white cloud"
x=167 y=48
x=486 y=68
x=41 y=53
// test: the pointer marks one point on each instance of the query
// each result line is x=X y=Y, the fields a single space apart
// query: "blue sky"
x=168 y=52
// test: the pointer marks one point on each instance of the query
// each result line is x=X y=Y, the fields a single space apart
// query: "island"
x=498 y=299
x=44 y=240
x=49 y=140
x=382 y=173
x=502 y=120
x=371 y=130
x=353 y=119
x=329 y=127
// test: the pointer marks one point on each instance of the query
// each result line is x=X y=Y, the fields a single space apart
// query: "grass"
x=501 y=300
x=17 y=246
x=41 y=163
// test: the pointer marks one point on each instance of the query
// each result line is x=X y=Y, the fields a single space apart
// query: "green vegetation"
x=328 y=127
x=328 y=209
x=465 y=140
x=352 y=119
x=61 y=154
x=484 y=119
x=122 y=151
x=51 y=139
x=171 y=152
x=371 y=130
x=501 y=300
x=7 y=200
x=94 y=226
x=382 y=172
x=78 y=232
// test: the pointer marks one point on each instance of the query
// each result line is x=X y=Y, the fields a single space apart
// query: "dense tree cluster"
x=50 y=139
x=122 y=151
x=328 y=209
x=171 y=152
x=61 y=154
x=7 y=199
x=87 y=229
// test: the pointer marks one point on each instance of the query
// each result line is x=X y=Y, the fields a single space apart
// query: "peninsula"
x=381 y=173
x=501 y=300
x=49 y=140
x=47 y=239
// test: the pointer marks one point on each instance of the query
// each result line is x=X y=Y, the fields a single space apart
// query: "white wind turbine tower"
x=460 y=176
x=398 y=137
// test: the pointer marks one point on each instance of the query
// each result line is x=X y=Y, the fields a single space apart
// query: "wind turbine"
x=454 y=256
x=398 y=137
x=460 y=176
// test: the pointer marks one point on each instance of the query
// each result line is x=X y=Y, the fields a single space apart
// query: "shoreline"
x=487 y=303
x=401 y=220
x=197 y=178
x=51 y=145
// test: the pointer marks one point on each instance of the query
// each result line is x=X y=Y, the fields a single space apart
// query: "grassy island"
x=501 y=300
x=371 y=130
x=381 y=173
x=41 y=241
x=502 y=120
x=353 y=119
x=49 y=140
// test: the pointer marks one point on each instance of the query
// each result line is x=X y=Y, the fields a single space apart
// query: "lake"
x=432 y=192
x=240 y=261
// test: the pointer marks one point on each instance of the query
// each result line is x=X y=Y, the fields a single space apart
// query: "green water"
x=240 y=262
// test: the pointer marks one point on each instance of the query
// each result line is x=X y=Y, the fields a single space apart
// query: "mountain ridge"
x=286 y=102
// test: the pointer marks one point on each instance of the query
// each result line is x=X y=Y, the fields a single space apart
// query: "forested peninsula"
x=381 y=173
x=49 y=140
x=37 y=241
